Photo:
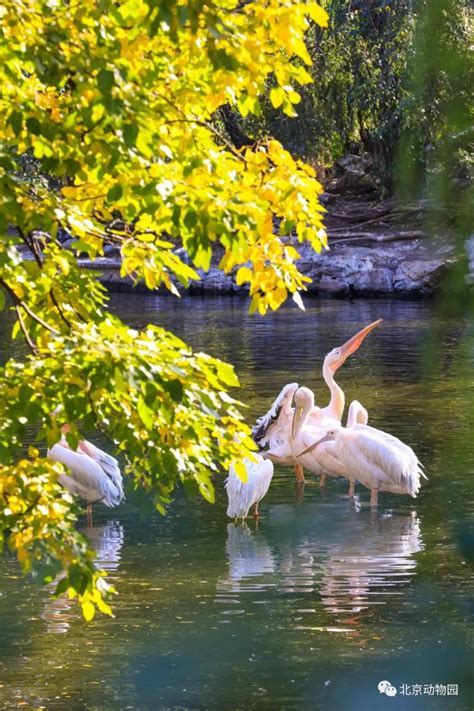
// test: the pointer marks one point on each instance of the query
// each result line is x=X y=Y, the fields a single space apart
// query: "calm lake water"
x=326 y=598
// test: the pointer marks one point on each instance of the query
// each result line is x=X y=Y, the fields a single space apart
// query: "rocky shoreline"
x=376 y=249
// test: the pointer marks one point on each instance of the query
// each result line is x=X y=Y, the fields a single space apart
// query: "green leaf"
x=145 y=413
x=130 y=134
x=115 y=193
x=33 y=125
x=16 y=121
x=105 y=81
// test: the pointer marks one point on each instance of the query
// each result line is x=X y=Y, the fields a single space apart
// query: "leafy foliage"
x=367 y=68
x=111 y=107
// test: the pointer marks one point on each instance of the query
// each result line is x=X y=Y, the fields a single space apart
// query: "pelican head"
x=288 y=392
x=328 y=437
x=338 y=356
x=304 y=403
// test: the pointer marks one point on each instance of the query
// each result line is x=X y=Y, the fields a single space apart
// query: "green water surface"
x=325 y=598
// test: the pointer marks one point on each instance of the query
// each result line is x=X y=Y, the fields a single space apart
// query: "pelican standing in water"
x=243 y=495
x=275 y=427
x=376 y=459
x=304 y=434
x=93 y=474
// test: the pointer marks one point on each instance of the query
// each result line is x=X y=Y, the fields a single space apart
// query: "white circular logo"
x=385 y=687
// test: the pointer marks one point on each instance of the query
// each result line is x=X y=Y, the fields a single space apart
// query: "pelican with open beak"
x=332 y=413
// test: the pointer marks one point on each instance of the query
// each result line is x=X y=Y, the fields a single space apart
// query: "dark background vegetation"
x=392 y=82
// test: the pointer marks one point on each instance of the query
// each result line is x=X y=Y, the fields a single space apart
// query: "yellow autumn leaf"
x=243 y=274
x=317 y=14
x=241 y=470
x=88 y=610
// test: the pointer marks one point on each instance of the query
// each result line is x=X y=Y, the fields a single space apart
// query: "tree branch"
x=25 y=330
x=19 y=303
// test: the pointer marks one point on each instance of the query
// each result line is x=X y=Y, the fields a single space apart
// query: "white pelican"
x=93 y=474
x=332 y=362
x=274 y=428
x=304 y=434
x=303 y=430
x=242 y=495
x=378 y=460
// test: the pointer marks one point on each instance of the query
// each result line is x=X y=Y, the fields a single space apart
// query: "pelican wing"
x=86 y=477
x=266 y=427
x=107 y=463
x=393 y=441
x=397 y=465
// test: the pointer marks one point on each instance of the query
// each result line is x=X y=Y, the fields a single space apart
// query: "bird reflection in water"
x=348 y=564
x=372 y=563
x=249 y=557
x=107 y=541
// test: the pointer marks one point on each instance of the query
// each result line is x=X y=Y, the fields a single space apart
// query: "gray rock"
x=216 y=280
x=419 y=276
x=63 y=235
x=373 y=281
x=332 y=286
x=111 y=250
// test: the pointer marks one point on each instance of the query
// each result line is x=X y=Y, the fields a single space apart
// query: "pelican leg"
x=299 y=473
x=89 y=513
x=299 y=491
x=351 y=489
x=374 y=494
x=255 y=511
x=322 y=480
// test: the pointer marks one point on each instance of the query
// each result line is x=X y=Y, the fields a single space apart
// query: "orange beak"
x=355 y=342
x=326 y=438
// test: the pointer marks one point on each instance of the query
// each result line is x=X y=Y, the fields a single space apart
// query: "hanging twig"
x=19 y=303
x=27 y=336
x=59 y=309
x=38 y=319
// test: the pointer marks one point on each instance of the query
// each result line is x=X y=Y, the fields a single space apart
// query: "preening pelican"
x=304 y=434
x=243 y=495
x=274 y=428
x=378 y=460
x=93 y=474
x=357 y=414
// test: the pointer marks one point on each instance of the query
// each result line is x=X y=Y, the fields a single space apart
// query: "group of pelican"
x=295 y=432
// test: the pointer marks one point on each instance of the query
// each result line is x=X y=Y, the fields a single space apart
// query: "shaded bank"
x=376 y=248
